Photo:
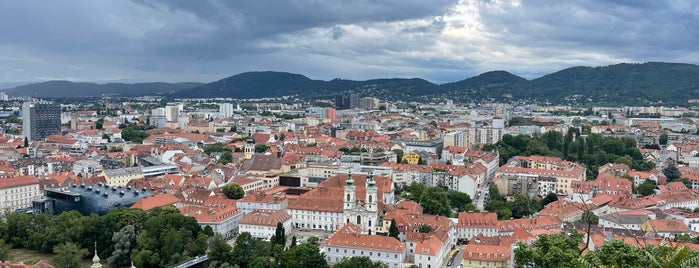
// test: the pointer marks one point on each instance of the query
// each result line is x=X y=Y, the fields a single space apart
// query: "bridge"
x=198 y=261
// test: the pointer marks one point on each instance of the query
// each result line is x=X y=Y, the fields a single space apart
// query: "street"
x=457 y=258
x=481 y=199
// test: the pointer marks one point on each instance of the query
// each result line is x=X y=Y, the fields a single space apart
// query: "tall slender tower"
x=349 y=198
x=371 y=194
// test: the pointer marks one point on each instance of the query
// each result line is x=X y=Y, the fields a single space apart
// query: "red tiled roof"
x=13 y=182
x=265 y=217
x=158 y=200
x=350 y=236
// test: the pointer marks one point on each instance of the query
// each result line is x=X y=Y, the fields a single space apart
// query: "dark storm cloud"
x=442 y=40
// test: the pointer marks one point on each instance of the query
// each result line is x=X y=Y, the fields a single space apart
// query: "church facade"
x=342 y=199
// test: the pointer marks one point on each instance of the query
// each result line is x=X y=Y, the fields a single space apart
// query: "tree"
x=399 y=154
x=124 y=240
x=522 y=206
x=618 y=254
x=687 y=182
x=363 y=262
x=434 y=201
x=646 y=188
x=393 y=230
x=415 y=189
x=293 y=242
x=556 y=250
x=4 y=250
x=279 y=236
x=261 y=148
x=459 y=200
x=493 y=191
x=68 y=255
x=504 y=213
x=589 y=218
x=233 y=191
x=26 y=142
x=304 y=255
x=671 y=257
x=219 y=250
x=425 y=229
x=672 y=172
x=662 y=140
x=244 y=250
x=226 y=157
x=99 y=123
x=549 y=198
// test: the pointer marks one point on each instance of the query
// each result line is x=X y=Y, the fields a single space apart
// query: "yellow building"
x=411 y=158
x=122 y=176
x=476 y=255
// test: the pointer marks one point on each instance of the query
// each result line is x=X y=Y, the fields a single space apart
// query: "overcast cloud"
x=439 y=40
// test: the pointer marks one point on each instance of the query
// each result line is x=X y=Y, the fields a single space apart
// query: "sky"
x=438 y=40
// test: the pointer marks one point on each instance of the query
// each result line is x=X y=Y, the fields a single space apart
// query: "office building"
x=41 y=120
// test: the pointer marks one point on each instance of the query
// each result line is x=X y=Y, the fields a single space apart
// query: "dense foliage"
x=564 y=249
x=437 y=201
x=630 y=84
x=250 y=252
x=233 y=191
x=521 y=206
x=154 y=238
x=592 y=151
x=135 y=133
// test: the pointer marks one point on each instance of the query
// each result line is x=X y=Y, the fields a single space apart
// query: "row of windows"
x=361 y=252
x=21 y=189
x=16 y=196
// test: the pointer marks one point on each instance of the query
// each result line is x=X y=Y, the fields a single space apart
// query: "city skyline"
x=441 y=41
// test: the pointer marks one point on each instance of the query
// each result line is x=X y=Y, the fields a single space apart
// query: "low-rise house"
x=262 y=223
x=18 y=192
x=668 y=228
x=431 y=252
x=544 y=223
x=262 y=200
x=122 y=176
x=349 y=241
x=627 y=220
x=474 y=223
x=678 y=200
x=219 y=213
x=566 y=211
x=476 y=256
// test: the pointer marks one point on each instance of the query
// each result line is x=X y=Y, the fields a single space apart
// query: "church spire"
x=370 y=181
x=96 y=259
x=350 y=181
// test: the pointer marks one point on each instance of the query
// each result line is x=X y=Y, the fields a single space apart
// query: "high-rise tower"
x=41 y=119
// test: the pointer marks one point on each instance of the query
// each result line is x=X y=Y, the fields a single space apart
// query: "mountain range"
x=625 y=83
x=67 y=89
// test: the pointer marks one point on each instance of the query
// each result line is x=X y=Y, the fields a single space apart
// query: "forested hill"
x=633 y=84
x=57 y=89
x=620 y=84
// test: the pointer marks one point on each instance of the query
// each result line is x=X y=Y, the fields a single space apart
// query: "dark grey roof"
x=99 y=198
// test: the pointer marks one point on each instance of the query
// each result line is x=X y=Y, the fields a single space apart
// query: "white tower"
x=371 y=202
x=349 y=197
